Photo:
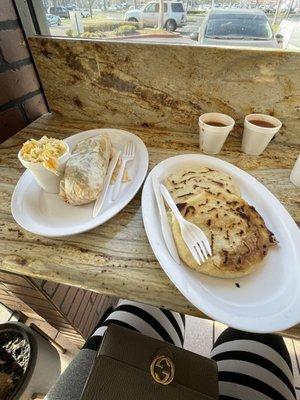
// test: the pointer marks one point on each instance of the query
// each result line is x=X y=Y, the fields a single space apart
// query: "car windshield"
x=238 y=26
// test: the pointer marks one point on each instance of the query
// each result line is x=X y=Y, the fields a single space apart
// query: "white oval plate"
x=48 y=215
x=267 y=300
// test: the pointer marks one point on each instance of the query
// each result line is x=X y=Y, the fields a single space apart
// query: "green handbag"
x=131 y=366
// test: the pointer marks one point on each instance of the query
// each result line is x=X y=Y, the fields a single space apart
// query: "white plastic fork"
x=192 y=235
x=127 y=155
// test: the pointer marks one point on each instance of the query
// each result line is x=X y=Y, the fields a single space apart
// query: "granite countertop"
x=116 y=258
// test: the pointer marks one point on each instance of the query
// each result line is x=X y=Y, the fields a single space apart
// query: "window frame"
x=32 y=17
x=148 y=6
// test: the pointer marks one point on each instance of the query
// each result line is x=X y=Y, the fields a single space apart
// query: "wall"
x=21 y=98
x=167 y=86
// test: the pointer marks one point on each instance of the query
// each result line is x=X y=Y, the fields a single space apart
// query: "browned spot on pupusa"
x=189 y=210
x=186 y=194
x=187 y=173
x=181 y=206
x=225 y=256
x=218 y=183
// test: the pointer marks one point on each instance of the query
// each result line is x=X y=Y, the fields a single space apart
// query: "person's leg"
x=150 y=321
x=253 y=366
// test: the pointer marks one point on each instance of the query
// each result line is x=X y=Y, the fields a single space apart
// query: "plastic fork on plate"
x=165 y=226
x=127 y=155
x=100 y=201
x=192 y=235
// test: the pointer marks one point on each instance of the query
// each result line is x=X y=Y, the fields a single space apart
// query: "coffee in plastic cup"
x=213 y=131
x=259 y=129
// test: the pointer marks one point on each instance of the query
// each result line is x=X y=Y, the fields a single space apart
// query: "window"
x=238 y=26
x=153 y=7
x=177 y=7
x=242 y=23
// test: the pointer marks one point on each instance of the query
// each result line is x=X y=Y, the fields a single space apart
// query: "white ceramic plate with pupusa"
x=265 y=301
x=48 y=215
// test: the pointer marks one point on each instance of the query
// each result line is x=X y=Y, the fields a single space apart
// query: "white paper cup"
x=45 y=178
x=295 y=174
x=211 y=137
x=256 y=138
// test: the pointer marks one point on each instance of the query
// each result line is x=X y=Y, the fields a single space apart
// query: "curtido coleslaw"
x=45 y=151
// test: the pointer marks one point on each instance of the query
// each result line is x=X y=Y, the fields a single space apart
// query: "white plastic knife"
x=165 y=226
x=100 y=201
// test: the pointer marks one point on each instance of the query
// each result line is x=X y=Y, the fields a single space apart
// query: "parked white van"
x=174 y=15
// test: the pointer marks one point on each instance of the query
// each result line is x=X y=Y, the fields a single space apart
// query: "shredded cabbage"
x=45 y=151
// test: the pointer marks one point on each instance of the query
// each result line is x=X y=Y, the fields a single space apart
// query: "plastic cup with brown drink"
x=213 y=131
x=259 y=129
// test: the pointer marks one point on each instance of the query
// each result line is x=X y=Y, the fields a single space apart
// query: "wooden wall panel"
x=72 y=311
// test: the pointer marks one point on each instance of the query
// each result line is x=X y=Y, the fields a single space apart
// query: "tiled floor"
x=7 y=315
x=70 y=349
x=202 y=333
x=198 y=335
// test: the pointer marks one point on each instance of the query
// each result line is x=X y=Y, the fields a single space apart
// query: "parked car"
x=85 y=13
x=71 y=7
x=53 y=20
x=234 y=27
x=60 y=11
x=174 y=15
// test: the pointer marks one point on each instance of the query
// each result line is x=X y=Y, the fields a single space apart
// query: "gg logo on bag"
x=162 y=370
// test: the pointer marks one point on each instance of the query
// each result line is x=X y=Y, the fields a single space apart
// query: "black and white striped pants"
x=251 y=366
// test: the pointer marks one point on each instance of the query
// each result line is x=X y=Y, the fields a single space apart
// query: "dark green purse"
x=131 y=366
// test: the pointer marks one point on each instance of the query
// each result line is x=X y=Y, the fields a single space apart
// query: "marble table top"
x=116 y=258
